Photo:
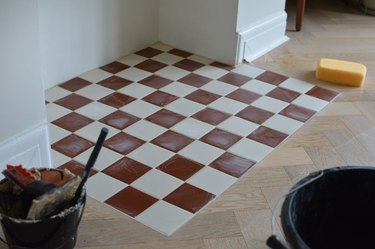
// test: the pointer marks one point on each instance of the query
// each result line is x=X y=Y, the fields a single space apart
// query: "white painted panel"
x=204 y=27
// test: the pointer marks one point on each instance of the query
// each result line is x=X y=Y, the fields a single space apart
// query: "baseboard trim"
x=31 y=148
x=261 y=38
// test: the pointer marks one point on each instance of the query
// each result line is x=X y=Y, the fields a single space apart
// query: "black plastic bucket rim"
x=293 y=237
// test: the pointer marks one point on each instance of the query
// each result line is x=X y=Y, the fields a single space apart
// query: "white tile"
x=283 y=124
x=95 y=110
x=192 y=128
x=140 y=108
x=150 y=155
x=105 y=159
x=258 y=86
x=201 y=152
x=178 y=89
x=185 y=107
x=94 y=91
x=133 y=74
x=212 y=180
x=172 y=72
x=161 y=46
x=56 y=133
x=227 y=105
x=219 y=87
x=95 y=189
x=310 y=102
x=157 y=183
x=211 y=72
x=95 y=75
x=132 y=59
x=250 y=149
x=296 y=85
x=92 y=131
x=137 y=90
x=56 y=111
x=54 y=93
x=270 y=104
x=145 y=130
x=167 y=58
x=248 y=70
x=200 y=59
x=58 y=159
x=238 y=126
x=164 y=217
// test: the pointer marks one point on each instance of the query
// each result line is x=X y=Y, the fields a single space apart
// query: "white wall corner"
x=260 y=38
x=31 y=148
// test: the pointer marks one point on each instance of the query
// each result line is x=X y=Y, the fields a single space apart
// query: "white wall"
x=251 y=12
x=22 y=109
x=79 y=35
x=204 y=27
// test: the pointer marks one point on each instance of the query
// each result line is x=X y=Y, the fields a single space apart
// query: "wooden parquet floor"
x=342 y=134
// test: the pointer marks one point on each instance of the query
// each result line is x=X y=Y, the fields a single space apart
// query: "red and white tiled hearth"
x=182 y=129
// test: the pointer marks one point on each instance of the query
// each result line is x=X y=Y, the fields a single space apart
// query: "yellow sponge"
x=341 y=72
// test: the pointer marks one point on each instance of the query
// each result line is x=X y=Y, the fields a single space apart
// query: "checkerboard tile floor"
x=182 y=129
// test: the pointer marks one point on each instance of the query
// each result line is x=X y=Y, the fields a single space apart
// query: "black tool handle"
x=92 y=160
x=274 y=242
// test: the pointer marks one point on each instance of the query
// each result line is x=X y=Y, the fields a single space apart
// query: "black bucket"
x=333 y=208
x=55 y=232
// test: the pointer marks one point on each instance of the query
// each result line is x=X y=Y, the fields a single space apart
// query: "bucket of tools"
x=49 y=221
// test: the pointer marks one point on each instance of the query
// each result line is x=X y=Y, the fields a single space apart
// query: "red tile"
x=160 y=98
x=131 y=201
x=244 y=96
x=267 y=136
x=272 y=78
x=254 y=114
x=297 y=112
x=116 y=100
x=189 y=197
x=123 y=143
x=180 y=167
x=322 y=93
x=126 y=170
x=221 y=139
x=72 y=121
x=202 y=97
x=150 y=65
x=179 y=52
x=165 y=118
x=73 y=101
x=188 y=65
x=234 y=79
x=283 y=94
x=72 y=145
x=195 y=80
x=114 y=67
x=172 y=141
x=211 y=116
x=222 y=65
x=76 y=168
x=155 y=81
x=75 y=84
x=115 y=83
x=149 y=52
x=119 y=119
x=232 y=165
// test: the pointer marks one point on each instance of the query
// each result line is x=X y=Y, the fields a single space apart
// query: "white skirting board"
x=31 y=148
x=261 y=38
